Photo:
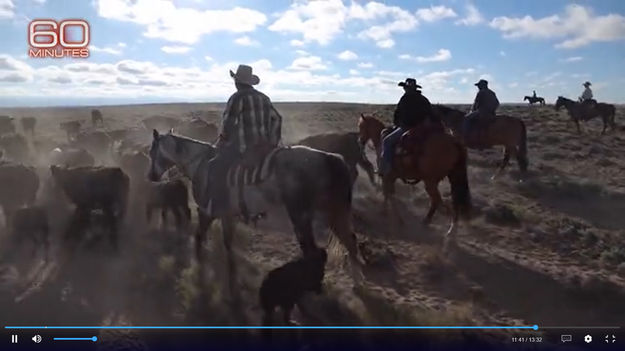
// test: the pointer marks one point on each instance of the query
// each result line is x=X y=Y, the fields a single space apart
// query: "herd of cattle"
x=95 y=172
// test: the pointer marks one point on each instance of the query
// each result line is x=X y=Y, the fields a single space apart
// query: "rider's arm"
x=230 y=117
x=399 y=111
x=275 y=130
x=476 y=102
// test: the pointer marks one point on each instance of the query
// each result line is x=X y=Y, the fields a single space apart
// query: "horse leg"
x=301 y=216
x=228 y=225
x=579 y=131
x=431 y=187
x=504 y=162
x=390 y=202
x=605 y=124
x=178 y=216
x=111 y=219
x=164 y=210
x=204 y=221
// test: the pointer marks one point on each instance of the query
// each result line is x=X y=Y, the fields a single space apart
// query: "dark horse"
x=532 y=100
x=346 y=145
x=579 y=112
x=303 y=180
x=440 y=155
x=503 y=130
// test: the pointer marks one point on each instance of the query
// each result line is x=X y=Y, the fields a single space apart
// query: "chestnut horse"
x=503 y=130
x=440 y=155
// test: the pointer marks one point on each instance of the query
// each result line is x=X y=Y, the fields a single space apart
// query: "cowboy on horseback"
x=484 y=106
x=251 y=127
x=587 y=99
x=534 y=94
x=412 y=110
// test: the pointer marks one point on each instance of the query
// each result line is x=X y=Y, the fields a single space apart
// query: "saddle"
x=251 y=169
x=412 y=143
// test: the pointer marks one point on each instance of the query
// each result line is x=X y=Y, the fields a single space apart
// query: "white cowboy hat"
x=244 y=75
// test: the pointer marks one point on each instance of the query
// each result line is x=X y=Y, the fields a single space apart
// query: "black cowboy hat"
x=410 y=82
x=244 y=75
x=481 y=82
x=587 y=84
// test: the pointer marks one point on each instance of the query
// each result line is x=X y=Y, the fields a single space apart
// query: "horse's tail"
x=459 y=181
x=339 y=209
x=522 y=148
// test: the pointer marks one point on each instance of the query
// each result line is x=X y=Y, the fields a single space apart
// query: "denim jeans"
x=388 y=149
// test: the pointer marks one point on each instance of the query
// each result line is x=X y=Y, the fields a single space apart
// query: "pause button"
x=13 y=339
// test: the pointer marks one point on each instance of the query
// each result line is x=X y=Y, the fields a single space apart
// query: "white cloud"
x=208 y=58
x=108 y=50
x=302 y=52
x=572 y=59
x=121 y=44
x=354 y=72
x=322 y=21
x=162 y=19
x=365 y=65
x=179 y=49
x=441 y=55
x=6 y=9
x=435 y=13
x=308 y=63
x=577 y=26
x=318 y=21
x=473 y=17
x=347 y=55
x=502 y=53
x=246 y=41
x=395 y=19
x=513 y=85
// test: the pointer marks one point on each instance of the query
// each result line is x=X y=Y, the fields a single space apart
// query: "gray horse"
x=301 y=179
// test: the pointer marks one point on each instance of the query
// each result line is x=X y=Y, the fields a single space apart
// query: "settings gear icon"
x=588 y=339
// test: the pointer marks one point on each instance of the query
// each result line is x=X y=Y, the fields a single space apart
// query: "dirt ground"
x=549 y=250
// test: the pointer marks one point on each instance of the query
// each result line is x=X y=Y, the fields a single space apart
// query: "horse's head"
x=526 y=98
x=560 y=102
x=161 y=150
x=369 y=128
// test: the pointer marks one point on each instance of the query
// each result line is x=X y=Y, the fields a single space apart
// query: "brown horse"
x=579 y=112
x=440 y=155
x=503 y=130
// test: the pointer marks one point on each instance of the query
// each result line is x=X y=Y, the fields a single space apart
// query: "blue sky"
x=325 y=50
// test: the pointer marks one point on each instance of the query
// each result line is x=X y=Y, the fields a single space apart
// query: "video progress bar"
x=93 y=338
x=230 y=327
x=580 y=327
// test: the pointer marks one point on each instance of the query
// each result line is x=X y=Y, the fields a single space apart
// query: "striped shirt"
x=250 y=120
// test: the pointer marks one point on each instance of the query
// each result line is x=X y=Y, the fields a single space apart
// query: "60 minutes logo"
x=48 y=38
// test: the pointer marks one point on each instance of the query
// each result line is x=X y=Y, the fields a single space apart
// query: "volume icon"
x=36 y=339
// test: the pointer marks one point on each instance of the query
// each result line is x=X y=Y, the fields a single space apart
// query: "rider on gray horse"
x=251 y=127
x=484 y=106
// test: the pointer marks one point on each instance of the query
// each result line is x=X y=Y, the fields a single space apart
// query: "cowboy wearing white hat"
x=587 y=94
x=587 y=98
x=250 y=127
x=485 y=105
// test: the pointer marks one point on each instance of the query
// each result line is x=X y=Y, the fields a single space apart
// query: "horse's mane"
x=185 y=138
